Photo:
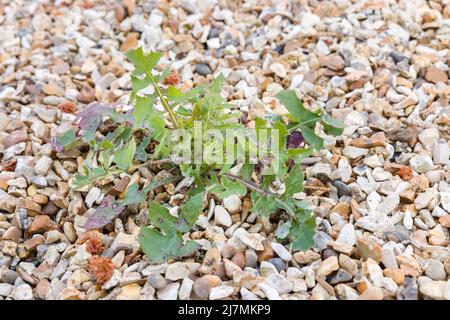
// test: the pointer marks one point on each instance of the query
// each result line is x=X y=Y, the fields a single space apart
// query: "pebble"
x=328 y=266
x=170 y=292
x=281 y=251
x=421 y=164
x=43 y=165
x=232 y=203
x=176 y=271
x=22 y=292
x=221 y=216
x=202 y=69
x=435 y=270
x=220 y=292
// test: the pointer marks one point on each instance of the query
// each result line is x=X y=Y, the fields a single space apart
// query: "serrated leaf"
x=301 y=153
x=160 y=248
x=303 y=230
x=141 y=153
x=295 y=107
x=332 y=130
x=143 y=63
x=142 y=108
x=165 y=240
x=310 y=136
x=264 y=205
x=192 y=208
x=137 y=85
x=333 y=122
x=108 y=210
x=293 y=182
x=228 y=187
x=134 y=195
x=155 y=122
x=124 y=157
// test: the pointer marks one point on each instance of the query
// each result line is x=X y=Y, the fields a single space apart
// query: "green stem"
x=298 y=125
x=172 y=115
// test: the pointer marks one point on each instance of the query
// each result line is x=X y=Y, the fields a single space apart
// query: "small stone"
x=341 y=276
x=86 y=95
x=270 y=293
x=43 y=165
x=202 y=286
x=281 y=251
x=445 y=221
x=185 y=289
x=40 y=224
x=408 y=135
x=53 y=90
x=130 y=292
x=353 y=152
x=423 y=199
x=348 y=264
x=221 y=216
x=232 y=203
x=306 y=257
x=279 y=283
x=202 y=69
x=15 y=138
x=22 y=292
x=253 y=240
x=432 y=289
x=5 y=289
x=372 y=294
x=421 y=163
x=125 y=242
x=435 y=270
x=397 y=275
x=435 y=75
x=177 y=271
x=441 y=153
x=347 y=235
x=13 y=233
x=388 y=257
x=333 y=62
x=156 y=280
x=328 y=266
x=220 y=292
x=92 y=196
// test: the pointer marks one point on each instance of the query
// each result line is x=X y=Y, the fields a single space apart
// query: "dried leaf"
x=94 y=245
x=101 y=268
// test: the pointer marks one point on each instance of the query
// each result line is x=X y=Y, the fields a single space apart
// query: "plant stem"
x=172 y=115
x=157 y=162
x=298 y=125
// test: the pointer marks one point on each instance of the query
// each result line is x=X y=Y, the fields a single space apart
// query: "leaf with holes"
x=108 y=210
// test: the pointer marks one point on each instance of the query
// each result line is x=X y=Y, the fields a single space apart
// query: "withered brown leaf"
x=101 y=268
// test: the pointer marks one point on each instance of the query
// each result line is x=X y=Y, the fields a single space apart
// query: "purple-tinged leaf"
x=108 y=210
x=92 y=117
x=294 y=140
x=64 y=141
